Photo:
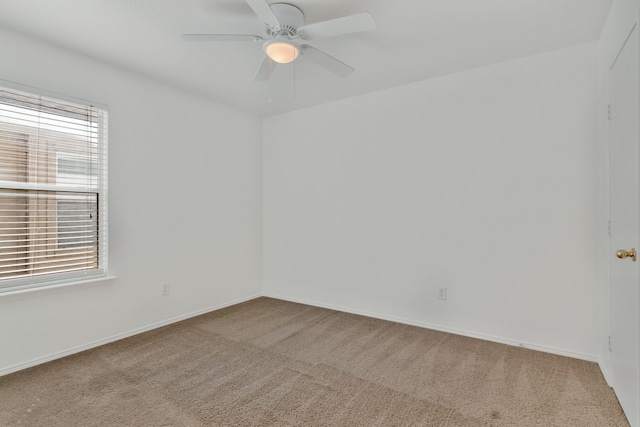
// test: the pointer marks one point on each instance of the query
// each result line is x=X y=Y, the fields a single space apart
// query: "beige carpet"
x=274 y=363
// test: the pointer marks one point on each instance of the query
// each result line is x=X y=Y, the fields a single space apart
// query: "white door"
x=625 y=221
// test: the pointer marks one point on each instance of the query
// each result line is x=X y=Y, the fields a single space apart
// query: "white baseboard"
x=470 y=334
x=98 y=343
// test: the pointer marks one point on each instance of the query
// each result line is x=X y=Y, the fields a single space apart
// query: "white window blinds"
x=53 y=172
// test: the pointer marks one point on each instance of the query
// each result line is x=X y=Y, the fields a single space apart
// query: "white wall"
x=184 y=196
x=483 y=182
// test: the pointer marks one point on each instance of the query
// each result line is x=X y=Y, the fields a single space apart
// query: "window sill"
x=21 y=293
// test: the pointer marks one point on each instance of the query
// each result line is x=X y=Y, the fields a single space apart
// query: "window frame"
x=56 y=279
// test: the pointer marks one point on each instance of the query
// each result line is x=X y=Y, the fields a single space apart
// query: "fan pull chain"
x=270 y=80
x=294 y=78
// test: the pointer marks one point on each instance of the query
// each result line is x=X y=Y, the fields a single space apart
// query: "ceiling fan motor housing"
x=290 y=17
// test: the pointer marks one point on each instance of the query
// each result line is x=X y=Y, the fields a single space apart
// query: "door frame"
x=634 y=31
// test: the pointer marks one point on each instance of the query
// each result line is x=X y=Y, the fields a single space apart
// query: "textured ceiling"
x=414 y=40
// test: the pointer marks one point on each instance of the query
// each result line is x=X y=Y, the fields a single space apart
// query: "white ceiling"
x=414 y=40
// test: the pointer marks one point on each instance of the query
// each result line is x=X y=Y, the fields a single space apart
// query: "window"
x=53 y=175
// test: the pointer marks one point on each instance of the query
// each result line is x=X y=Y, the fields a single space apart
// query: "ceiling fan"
x=285 y=29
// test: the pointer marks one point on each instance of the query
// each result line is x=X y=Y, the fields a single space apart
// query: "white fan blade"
x=264 y=70
x=332 y=64
x=221 y=38
x=264 y=12
x=347 y=24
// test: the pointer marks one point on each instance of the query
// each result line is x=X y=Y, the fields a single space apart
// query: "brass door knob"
x=622 y=254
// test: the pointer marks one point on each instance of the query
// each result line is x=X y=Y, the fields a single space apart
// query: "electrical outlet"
x=165 y=289
x=442 y=293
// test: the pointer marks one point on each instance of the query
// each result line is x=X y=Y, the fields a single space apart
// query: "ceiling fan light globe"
x=282 y=52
